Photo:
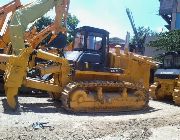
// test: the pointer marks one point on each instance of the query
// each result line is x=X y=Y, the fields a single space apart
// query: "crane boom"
x=138 y=39
x=131 y=19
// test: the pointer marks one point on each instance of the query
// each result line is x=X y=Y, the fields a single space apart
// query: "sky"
x=111 y=14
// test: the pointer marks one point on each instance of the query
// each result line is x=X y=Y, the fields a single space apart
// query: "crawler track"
x=87 y=85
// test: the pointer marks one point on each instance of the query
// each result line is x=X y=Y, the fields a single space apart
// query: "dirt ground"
x=41 y=118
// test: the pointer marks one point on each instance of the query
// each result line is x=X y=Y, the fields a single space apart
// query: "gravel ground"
x=160 y=121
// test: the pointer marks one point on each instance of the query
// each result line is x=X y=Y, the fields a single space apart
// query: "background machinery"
x=89 y=78
x=17 y=27
x=166 y=82
x=32 y=36
x=139 y=48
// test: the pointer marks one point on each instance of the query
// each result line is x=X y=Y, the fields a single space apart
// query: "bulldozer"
x=89 y=78
x=104 y=80
x=166 y=79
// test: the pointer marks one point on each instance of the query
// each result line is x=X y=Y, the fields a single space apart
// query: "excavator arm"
x=29 y=14
x=5 y=15
x=10 y=7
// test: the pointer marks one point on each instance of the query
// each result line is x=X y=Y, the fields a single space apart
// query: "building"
x=170 y=12
x=116 y=41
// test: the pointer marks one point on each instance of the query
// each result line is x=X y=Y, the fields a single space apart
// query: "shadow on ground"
x=56 y=107
x=118 y=113
x=50 y=107
x=166 y=101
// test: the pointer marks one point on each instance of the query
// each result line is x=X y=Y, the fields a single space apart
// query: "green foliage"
x=72 y=23
x=42 y=23
x=142 y=32
x=167 y=41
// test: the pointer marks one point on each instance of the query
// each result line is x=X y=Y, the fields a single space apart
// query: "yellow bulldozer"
x=166 y=79
x=89 y=78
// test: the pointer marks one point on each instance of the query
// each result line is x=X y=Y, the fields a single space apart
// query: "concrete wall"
x=173 y=22
x=166 y=6
x=178 y=6
x=150 y=51
x=171 y=8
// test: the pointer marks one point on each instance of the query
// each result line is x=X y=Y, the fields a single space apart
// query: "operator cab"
x=91 y=48
x=170 y=69
x=171 y=60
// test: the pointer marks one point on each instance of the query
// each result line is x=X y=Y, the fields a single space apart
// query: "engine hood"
x=167 y=73
x=72 y=55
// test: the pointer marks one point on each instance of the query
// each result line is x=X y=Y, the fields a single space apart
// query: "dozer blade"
x=90 y=96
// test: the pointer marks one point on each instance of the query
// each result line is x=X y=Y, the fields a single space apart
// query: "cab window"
x=79 y=41
x=177 y=61
x=94 y=43
x=168 y=61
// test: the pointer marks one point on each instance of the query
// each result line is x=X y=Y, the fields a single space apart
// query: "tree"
x=72 y=23
x=167 y=41
x=142 y=32
x=139 y=40
x=42 y=23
